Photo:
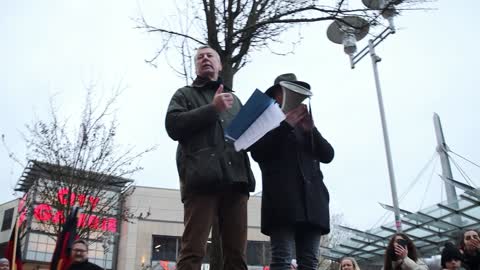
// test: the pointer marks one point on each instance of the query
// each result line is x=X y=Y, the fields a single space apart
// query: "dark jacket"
x=471 y=261
x=206 y=161
x=86 y=265
x=293 y=189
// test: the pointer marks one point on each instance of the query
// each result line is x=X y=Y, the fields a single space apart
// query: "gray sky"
x=58 y=47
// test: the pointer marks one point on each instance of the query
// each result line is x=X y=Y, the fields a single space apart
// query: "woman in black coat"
x=295 y=200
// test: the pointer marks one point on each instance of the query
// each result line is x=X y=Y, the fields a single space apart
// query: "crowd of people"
x=401 y=254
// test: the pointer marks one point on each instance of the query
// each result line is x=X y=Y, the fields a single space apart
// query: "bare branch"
x=152 y=29
x=235 y=27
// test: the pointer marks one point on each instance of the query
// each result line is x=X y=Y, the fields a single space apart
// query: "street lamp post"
x=393 y=186
x=341 y=32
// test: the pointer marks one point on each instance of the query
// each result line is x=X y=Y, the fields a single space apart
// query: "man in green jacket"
x=215 y=180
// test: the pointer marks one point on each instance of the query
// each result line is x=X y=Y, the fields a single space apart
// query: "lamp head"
x=387 y=13
x=349 y=44
x=347 y=31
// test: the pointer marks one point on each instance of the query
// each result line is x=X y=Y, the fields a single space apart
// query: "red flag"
x=15 y=258
x=61 y=256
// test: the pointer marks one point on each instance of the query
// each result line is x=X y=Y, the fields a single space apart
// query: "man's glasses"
x=79 y=250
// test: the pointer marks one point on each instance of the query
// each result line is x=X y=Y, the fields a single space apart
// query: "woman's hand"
x=473 y=244
x=400 y=251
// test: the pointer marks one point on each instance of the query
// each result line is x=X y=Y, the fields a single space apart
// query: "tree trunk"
x=227 y=74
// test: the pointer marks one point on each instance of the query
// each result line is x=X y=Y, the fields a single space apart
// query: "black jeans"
x=307 y=247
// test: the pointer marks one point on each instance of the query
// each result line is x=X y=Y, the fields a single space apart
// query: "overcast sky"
x=430 y=65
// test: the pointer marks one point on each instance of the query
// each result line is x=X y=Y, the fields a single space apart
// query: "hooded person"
x=295 y=200
x=451 y=257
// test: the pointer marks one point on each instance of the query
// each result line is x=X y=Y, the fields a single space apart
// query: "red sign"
x=44 y=212
x=63 y=197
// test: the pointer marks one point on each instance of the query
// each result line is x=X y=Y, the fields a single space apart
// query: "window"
x=40 y=247
x=167 y=248
x=164 y=248
x=7 y=219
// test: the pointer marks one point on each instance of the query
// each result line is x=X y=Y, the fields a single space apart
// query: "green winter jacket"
x=206 y=161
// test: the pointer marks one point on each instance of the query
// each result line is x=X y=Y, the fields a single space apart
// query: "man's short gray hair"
x=80 y=241
x=207 y=47
x=4 y=260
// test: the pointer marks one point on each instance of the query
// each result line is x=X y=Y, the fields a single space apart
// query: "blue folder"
x=256 y=104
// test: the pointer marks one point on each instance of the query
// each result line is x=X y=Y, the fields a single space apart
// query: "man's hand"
x=222 y=101
x=294 y=116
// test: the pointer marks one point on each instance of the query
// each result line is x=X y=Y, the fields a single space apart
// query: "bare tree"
x=235 y=28
x=77 y=164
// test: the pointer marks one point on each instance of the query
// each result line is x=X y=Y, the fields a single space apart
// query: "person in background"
x=470 y=246
x=401 y=254
x=348 y=263
x=79 y=257
x=4 y=264
x=451 y=257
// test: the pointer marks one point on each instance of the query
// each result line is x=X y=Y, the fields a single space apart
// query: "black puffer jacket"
x=206 y=161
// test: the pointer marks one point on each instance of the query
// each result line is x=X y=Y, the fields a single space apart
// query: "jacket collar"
x=80 y=263
x=201 y=82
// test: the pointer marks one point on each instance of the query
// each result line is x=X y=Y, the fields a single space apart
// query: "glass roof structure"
x=429 y=228
x=36 y=170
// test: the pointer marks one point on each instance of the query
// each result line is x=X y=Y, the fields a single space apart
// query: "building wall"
x=5 y=234
x=166 y=218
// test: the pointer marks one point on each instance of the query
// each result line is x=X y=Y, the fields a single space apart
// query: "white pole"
x=442 y=150
x=396 y=210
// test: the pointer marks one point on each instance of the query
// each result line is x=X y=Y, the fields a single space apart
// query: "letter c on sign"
x=43 y=212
